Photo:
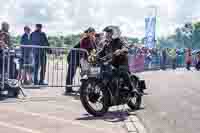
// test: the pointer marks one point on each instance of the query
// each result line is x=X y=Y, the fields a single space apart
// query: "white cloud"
x=66 y=16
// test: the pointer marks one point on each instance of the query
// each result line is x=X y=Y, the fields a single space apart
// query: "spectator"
x=73 y=60
x=197 y=66
x=173 y=58
x=5 y=28
x=12 y=68
x=164 y=59
x=74 y=56
x=26 y=55
x=149 y=59
x=89 y=42
x=2 y=46
x=39 y=38
x=188 y=59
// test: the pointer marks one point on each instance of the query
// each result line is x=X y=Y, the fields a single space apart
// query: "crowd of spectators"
x=162 y=58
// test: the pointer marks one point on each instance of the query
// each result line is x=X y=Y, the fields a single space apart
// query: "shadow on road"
x=113 y=116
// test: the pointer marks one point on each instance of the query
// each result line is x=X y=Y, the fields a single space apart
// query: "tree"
x=133 y=40
x=68 y=40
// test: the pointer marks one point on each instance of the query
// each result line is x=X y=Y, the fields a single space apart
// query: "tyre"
x=135 y=102
x=91 y=92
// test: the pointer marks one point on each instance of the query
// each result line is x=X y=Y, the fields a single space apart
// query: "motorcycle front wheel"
x=93 y=95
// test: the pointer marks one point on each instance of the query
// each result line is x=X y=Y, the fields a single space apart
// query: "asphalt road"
x=54 y=115
x=173 y=102
x=171 y=106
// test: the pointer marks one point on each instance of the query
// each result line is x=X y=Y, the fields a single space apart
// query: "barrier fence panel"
x=139 y=62
x=2 y=68
x=50 y=66
x=6 y=58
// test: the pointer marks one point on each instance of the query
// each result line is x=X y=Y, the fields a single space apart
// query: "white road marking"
x=8 y=125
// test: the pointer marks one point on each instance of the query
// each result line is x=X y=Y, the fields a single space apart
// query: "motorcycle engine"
x=124 y=91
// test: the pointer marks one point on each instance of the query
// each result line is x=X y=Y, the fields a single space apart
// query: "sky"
x=74 y=16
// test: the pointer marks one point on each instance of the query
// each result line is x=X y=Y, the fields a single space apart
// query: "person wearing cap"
x=117 y=48
x=87 y=42
x=115 y=45
x=73 y=60
x=39 y=38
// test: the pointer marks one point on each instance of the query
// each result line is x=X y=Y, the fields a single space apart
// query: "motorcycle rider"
x=118 y=49
x=115 y=46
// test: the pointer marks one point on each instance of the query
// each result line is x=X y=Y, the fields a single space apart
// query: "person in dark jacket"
x=118 y=50
x=26 y=55
x=164 y=59
x=25 y=40
x=75 y=55
x=73 y=60
x=39 y=38
x=197 y=66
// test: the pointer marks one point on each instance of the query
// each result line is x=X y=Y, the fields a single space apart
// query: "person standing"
x=5 y=29
x=25 y=41
x=7 y=40
x=188 y=59
x=74 y=56
x=26 y=55
x=197 y=65
x=39 y=38
x=164 y=59
x=89 y=42
x=173 y=58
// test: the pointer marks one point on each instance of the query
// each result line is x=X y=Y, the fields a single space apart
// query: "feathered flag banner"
x=150 y=29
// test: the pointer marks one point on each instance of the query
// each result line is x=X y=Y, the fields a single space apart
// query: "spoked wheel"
x=94 y=98
x=135 y=102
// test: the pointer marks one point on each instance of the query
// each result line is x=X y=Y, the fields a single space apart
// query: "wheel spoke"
x=96 y=90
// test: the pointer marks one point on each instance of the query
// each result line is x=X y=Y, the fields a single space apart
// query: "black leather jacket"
x=111 y=47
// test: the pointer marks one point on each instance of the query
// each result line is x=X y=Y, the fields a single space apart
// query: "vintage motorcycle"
x=103 y=86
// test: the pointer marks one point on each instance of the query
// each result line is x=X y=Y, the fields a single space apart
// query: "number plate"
x=95 y=70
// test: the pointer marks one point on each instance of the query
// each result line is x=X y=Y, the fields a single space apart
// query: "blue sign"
x=150 y=28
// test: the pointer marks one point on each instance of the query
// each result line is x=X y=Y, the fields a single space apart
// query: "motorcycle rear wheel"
x=135 y=102
x=86 y=102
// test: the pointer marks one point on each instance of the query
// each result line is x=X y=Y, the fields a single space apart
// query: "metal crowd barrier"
x=140 y=62
x=41 y=66
x=6 y=58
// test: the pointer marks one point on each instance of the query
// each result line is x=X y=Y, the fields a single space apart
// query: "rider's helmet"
x=112 y=32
